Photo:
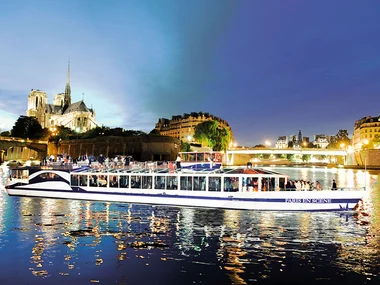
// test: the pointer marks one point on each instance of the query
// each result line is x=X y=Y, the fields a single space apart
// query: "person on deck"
x=178 y=162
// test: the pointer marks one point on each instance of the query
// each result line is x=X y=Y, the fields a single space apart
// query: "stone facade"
x=365 y=130
x=141 y=148
x=76 y=116
x=183 y=127
x=369 y=158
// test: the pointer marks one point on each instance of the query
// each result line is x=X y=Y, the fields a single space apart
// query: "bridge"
x=244 y=153
x=302 y=151
x=10 y=145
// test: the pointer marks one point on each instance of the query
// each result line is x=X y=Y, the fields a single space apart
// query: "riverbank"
x=328 y=165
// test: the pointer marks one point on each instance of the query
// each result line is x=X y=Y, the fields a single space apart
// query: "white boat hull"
x=271 y=200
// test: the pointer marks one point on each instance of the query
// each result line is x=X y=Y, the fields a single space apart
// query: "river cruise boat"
x=225 y=188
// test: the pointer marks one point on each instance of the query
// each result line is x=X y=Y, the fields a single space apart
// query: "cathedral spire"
x=67 y=100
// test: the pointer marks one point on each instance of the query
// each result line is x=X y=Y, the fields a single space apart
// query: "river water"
x=48 y=241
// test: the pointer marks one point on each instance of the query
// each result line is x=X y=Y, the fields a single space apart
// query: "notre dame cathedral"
x=76 y=116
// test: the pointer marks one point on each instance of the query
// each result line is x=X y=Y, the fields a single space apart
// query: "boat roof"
x=143 y=170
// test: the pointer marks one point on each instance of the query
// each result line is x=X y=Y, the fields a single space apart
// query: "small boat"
x=199 y=160
x=244 y=188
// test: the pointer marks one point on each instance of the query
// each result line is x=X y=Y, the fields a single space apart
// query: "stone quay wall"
x=369 y=157
x=141 y=148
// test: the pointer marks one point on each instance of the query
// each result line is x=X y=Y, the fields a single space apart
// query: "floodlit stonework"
x=183 y=127
x=76 y=116
x=365 y=130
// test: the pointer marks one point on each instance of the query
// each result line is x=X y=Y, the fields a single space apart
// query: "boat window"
x=124 y=181
x=114 y=181
x=231 y=184
x=101 y=180
x=48 y=176
x=83 y=180
x=217 y=157
x=214 y=184
x=147 y=182
x=171 y=182
x=200 y=157
x=185 y=157
x=93 y=180
x=22 y=174
x=186 y=183
x=268 y=184
x=250 y=184
x=159 y=182
x=199 y=183
x=281 y=183
x=135 y=181
x=74 y=180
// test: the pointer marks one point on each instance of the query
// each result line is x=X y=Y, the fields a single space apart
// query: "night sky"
x=269 y=68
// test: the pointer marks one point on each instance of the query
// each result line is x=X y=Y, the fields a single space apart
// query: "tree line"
x=209 y=133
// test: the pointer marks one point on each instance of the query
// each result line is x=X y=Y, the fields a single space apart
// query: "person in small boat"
x=209 y=159
x=178 y=162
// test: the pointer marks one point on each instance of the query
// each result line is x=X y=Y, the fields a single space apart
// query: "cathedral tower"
x=37 y=102
x=67 y=98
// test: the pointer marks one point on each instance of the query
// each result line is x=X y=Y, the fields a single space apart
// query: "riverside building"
x=76 y=116
x=365 y=130
x=183 y=126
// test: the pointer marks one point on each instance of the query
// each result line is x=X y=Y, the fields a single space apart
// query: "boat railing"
x=337 y=189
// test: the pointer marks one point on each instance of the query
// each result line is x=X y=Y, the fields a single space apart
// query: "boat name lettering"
x=315 y=201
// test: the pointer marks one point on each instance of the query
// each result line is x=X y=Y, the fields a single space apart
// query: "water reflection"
x=61 y=240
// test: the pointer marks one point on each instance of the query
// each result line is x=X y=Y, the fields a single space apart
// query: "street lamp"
x=267 y=143
x=53 y=130
x=77 y=130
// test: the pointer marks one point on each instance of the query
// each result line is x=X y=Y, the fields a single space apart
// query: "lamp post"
x=53 y=131
x=77 y=130
x=365 y=173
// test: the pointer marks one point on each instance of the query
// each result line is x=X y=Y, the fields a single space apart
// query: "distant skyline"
x=269 y=68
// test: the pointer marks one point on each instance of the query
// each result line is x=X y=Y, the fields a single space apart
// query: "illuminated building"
x=282 y=142
x=183 y=127
x=76 y=116
x=321 y=141
x=365 y=130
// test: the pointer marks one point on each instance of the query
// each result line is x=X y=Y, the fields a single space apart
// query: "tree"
x=96 y=132
x=185 y=147
x=154 y=132
x=372 y=144
x=259 y=146
x=5 y=134
x=59 y=133
x=340 y=139
x=306 y=157
x=211 y=134
x=27 y=127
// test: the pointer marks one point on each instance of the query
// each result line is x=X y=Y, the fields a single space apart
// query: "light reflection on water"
x=59 y=241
